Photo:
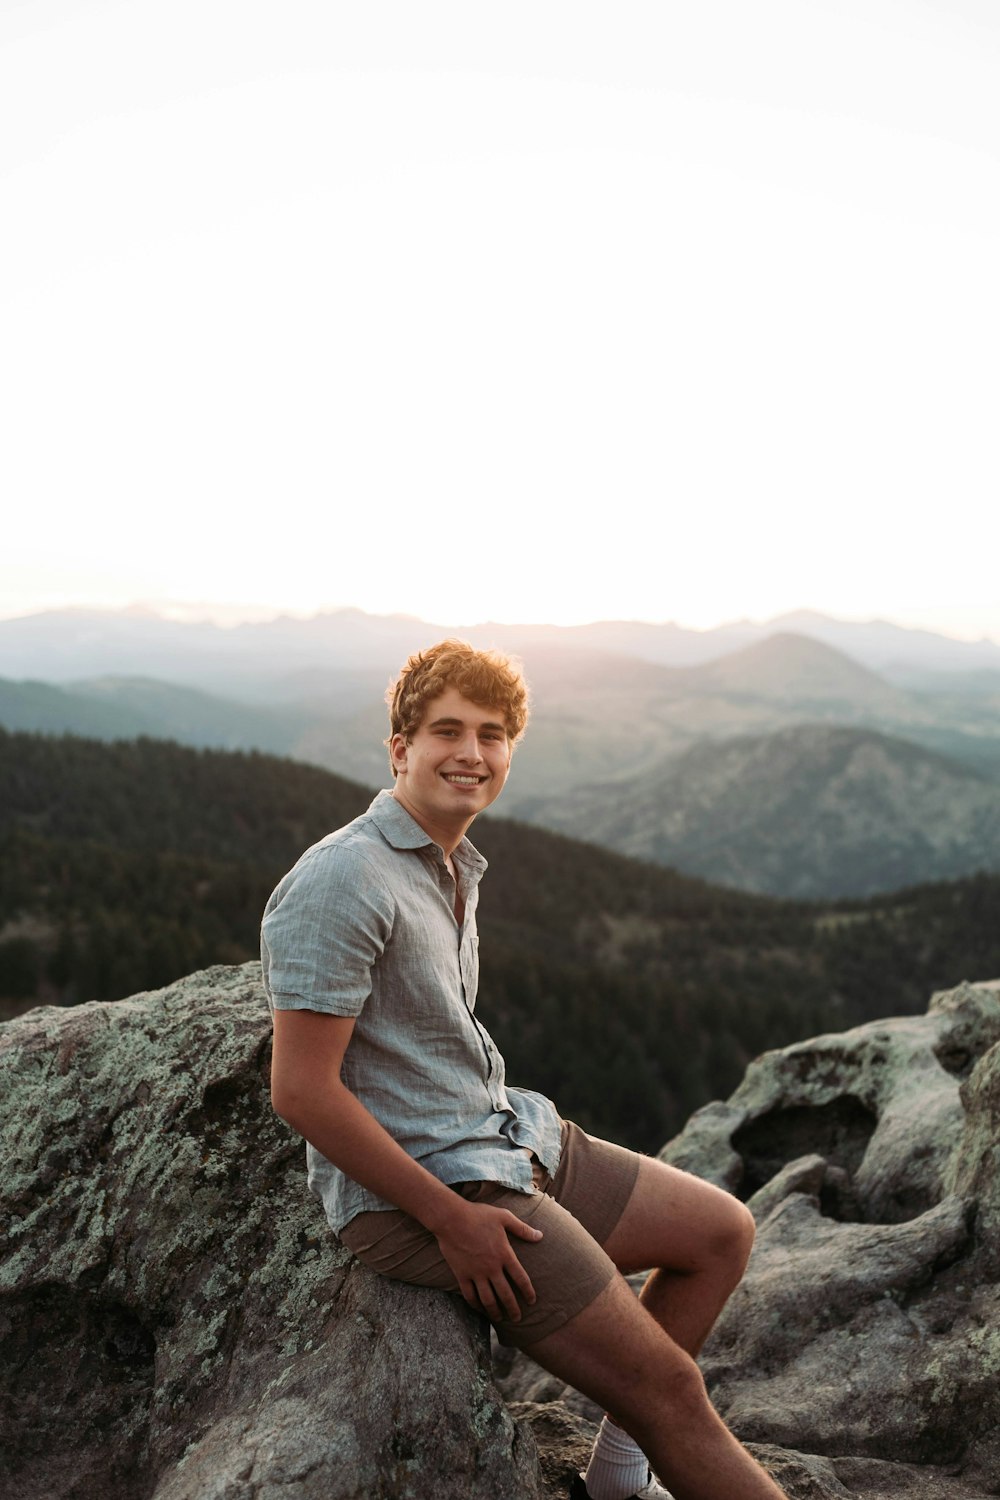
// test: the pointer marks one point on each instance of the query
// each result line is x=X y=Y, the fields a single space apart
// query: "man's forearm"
x=344 y=1131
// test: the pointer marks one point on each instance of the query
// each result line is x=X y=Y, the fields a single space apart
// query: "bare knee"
x=732 y=1237
x=744 y=1234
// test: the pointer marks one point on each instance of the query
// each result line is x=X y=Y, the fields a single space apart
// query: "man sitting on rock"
x=430 y=1167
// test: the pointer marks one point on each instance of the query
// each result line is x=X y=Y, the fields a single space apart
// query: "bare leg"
x=694 y=1237
x=616 y=1353
x=697 y=1240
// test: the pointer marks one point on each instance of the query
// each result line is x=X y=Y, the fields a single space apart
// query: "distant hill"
x=126 y=707
x=784 y=679
x=41 y=707
x=897 y=652
x=631 y=993
x=621 y=719
x=788 y=668
x=813 y=811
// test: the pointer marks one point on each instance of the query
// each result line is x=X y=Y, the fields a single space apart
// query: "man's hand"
x=474 y=1241
x=308 y=1092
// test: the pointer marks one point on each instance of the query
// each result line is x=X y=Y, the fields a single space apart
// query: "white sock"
x=618 y=1467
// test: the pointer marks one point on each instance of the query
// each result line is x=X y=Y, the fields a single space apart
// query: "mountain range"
x=61 y=645
x=711 y=751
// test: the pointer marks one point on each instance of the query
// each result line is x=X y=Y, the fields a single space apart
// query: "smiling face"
x=453 y=766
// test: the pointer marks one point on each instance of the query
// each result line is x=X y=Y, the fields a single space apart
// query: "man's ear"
x=397 y=751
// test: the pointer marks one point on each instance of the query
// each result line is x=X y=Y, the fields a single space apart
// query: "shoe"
x=651 y=1491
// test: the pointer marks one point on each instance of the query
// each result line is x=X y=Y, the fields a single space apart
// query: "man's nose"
x=468 y=748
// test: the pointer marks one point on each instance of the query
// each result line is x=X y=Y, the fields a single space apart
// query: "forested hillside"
x=630 y=993
x=814 y=812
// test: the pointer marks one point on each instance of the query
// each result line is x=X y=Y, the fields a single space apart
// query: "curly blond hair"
x=488 y=677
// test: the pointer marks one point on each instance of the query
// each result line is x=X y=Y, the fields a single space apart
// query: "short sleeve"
x=324 y=927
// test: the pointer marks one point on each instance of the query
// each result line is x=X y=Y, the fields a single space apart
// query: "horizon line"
x=230 y=616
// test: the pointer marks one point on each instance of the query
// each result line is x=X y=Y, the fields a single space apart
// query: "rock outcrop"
x=175 y=1319
x=862 y=1349
x=869 y=1322
x=176 y=1323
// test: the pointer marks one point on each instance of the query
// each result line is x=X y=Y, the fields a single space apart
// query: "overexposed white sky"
x=550 y=311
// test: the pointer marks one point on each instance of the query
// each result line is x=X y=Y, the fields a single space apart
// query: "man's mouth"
x=457 y=780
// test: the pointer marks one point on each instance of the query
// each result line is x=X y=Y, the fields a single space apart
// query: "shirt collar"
x=404 y=832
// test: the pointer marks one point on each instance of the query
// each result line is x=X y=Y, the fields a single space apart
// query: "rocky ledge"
x=176 y=1323
x=862 y=1350
x=176 y=1320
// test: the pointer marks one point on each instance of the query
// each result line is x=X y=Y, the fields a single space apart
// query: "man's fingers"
x=515 y=1271
x=490 y=1305
x=468 y=1291
x=503 y=1301
x=522 y=1281
x=499 y=1298
x=479 y=1296
x=517 y=1226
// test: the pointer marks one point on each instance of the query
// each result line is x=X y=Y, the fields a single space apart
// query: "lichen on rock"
x=176 y=1320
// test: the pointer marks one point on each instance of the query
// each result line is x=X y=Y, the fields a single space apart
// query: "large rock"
x=175 y=1319
x=861 y=1354
x=868 y=1323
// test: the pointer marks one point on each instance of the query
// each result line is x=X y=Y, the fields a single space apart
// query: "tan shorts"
x=576 y=1211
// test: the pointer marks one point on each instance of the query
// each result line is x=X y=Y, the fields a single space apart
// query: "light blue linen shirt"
x=364 y=925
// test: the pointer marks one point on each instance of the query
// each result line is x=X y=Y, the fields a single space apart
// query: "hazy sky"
x=554 y=310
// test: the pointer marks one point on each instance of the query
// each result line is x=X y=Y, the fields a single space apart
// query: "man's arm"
x=307 y=1091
